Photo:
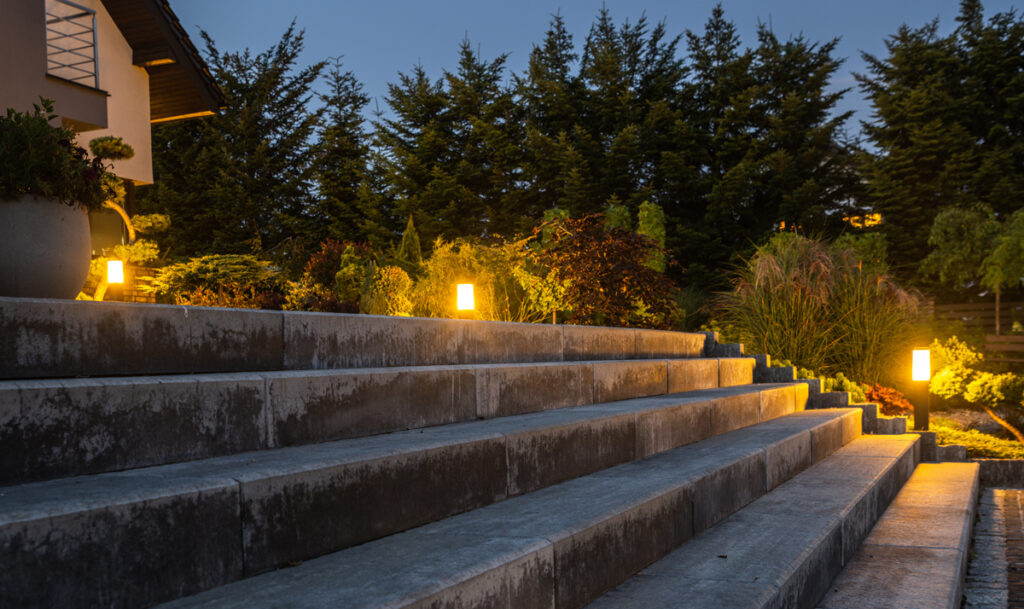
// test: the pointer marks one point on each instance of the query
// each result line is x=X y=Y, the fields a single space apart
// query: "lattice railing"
x=71 y=42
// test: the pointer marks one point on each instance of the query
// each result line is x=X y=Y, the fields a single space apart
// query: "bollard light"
x=921 y=373
x=922 y=367
x=464 y=300
x=115 y=271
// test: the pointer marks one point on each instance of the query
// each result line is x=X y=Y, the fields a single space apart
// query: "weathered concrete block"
x=593 y=343
x=315 y=406
x=52 y=428
x=55 y=338
x=826 y=439
x=734 y=412
x=1002 y=473
x=666 y=428
x=852 y=426
x=519 y=388
x=501 y=342
x=920 y=544
x=761 y=366
x=222 y=340
x=785 y=459
x=869 y=417
x=735 y=371
x=776 y=402
x=928 y=445
x=660 y=344
x=692 y=374
x=632 y=379
x=113 y=549
x=891 y=425
x=830 y=399
x=951 y=453
x=62 y=338
x=542 y=457
x=778 y=374
x=336 y=340
x=728 y=350
x=299 y=509
x=813 y=386
x=727 y=489
x=710 y=340
x=800 y=396
x=599 y=557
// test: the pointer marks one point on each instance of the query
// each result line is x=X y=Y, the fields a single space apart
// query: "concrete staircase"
x=224 y=458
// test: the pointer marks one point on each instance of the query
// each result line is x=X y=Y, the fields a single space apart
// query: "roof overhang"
x=180 y=83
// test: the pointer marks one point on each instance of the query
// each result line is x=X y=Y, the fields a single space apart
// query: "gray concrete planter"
x=44 y=248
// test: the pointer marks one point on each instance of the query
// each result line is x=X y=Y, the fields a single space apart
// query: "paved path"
x=995 y=578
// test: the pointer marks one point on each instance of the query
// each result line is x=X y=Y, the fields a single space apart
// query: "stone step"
x=60 y=338
x=136 y=537
x=61 y=427
x=560 y=546
x=916 y=556
x=784 y=549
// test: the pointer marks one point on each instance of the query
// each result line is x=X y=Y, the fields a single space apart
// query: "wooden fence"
x=981 y=315
x=1004 y=347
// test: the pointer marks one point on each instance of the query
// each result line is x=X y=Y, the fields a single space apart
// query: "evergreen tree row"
x=731 y=142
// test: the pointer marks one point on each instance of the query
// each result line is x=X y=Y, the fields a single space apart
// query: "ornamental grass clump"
x=820 y=307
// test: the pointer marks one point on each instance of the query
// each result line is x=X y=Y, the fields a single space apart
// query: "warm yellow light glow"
x=922 y=370
x=465 y=297
x=115 y=271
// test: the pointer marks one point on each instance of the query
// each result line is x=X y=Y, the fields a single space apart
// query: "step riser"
x=784 y=549
x=571 y=567
x=288 y=516
x=809 y=583
x=53 y=428
x=54 y=338
x=921 y=541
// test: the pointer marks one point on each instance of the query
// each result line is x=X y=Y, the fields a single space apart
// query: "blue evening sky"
x=379 y=39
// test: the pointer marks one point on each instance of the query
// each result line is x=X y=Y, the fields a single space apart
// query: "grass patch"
x=979 y=445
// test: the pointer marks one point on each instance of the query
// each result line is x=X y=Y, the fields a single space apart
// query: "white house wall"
x=128 y=104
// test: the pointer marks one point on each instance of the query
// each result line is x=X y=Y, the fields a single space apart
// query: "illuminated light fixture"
x=115 y=271
x=922 y=368
x=464 y=301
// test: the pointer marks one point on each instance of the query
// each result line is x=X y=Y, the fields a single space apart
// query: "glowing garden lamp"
x=922 y=366
x=464 y=297
x=115 y=271
x=921 y=374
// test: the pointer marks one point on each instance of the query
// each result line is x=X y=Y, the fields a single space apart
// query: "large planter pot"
x=44 y=248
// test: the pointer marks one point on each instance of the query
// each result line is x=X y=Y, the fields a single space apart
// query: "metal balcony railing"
x=71 y=42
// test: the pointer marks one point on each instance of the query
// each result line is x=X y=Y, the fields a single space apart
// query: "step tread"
x=761 y=554
x=69 y=495
x=35 y=383
x=524 y=533
x=916 y=554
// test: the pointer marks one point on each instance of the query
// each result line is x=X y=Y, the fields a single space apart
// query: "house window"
x=71 y=42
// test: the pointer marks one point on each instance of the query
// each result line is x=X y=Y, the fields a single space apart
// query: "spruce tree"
x=240 y=181
x=948 y=124
x=341 y=157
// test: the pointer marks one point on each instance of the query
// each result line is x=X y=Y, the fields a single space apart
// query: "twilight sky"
x=377 y=39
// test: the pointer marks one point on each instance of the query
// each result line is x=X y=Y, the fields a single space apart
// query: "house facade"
x=112 y=67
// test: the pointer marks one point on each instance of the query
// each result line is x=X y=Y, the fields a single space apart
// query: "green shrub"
x=979 y=445
x=506 y=285
x=232 y=274
x=388 y=293
x=37 y=158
